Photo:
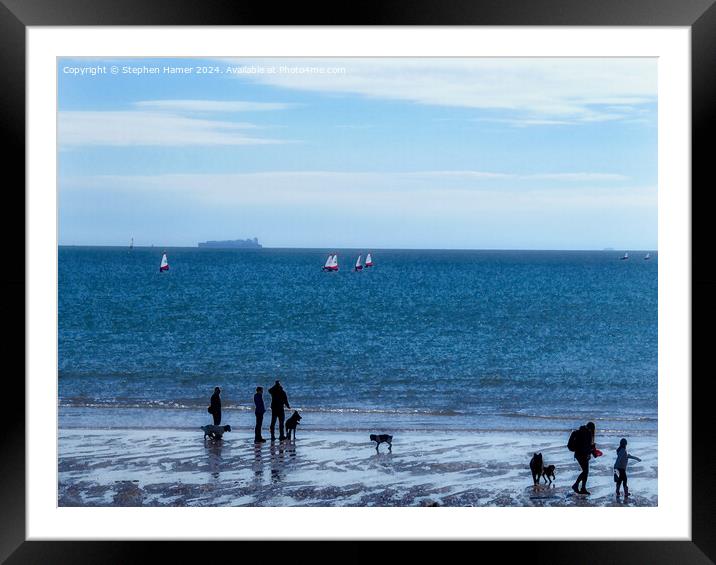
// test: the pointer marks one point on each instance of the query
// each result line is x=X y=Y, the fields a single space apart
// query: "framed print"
x=360 y=282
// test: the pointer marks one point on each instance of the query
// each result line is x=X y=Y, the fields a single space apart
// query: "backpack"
x=573 y=439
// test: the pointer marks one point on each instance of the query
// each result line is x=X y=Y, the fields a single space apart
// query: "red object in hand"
x=597 y=453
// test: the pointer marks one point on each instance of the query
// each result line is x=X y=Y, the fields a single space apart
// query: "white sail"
x=647 y=256
x=328 y=261
x=358 y=265
x=334 y=261
x=164 y=265
x=368 y=260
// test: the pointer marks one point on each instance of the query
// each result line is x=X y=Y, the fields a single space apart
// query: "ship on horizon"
x=252 y=243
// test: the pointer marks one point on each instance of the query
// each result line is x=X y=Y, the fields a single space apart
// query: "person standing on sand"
x=620 y=465
x=215 y=406
x=260 y=410
x=583 y=451
x=278 y=401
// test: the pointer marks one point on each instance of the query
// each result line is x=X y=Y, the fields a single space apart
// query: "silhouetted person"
x=582 y=453
x=620 y=466
x=278 y=401
x=215 y=406
x=260 y=410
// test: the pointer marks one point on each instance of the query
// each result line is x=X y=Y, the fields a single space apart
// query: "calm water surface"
x=457 y=338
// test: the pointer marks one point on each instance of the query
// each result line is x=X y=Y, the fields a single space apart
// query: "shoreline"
x=171 y=467
x=349 y=420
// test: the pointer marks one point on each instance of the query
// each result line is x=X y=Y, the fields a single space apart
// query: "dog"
x=291 y=424
x=537 y=467
x=215 y=432
x=548 y=472
x=382 y=438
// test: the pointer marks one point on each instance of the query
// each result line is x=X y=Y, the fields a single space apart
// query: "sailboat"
x=331 y=263
x=131 y=244
x=647 y=257
x=164 y=265
x=626 y=256
x=368 y=260
x=358 y=266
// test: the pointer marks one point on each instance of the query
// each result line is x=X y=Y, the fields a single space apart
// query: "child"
x=620 y=466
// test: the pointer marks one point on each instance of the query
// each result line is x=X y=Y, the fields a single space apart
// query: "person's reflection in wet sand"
x=258 y=465
x=277 y=462
x=214 y=448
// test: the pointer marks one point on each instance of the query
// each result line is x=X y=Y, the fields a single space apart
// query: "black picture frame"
x=17 y=15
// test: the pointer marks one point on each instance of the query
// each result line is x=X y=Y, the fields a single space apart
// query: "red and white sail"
x=331 y=263
x=358 y=263
x=164 y=265
x=368 y=260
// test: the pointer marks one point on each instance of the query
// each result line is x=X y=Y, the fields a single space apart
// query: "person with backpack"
x=581 y=442
x=620 y=465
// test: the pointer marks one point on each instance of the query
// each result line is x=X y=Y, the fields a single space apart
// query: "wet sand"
x=165 y=467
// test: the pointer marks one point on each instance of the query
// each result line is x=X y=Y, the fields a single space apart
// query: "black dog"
x=537 y=467
x=548 y=472
x=291 y=424
x=215 y=432
x=382 y=438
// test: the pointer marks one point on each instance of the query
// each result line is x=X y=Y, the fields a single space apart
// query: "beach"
x=177 y=467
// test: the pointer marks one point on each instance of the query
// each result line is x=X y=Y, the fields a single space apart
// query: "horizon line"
x=124 y=246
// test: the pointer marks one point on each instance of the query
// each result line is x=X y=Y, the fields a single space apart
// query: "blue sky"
x=365 y=153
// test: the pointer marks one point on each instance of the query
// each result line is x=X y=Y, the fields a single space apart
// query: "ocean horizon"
x=349 y=248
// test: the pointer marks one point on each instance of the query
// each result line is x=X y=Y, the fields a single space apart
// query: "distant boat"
x=647 y=257
x=359 y=267
x=331 y=263
x=164 y=265
x=626 y=256
x=368 y=260
x=131 y=244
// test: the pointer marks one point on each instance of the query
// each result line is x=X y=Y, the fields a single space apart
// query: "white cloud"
x=482 y=175
x=539 y=91
x=463 y=175
x=211 y=105
x=141 y=128
x=326 y=188
x=576 y=177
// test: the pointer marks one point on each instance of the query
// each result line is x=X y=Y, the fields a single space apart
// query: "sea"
x=425 y=339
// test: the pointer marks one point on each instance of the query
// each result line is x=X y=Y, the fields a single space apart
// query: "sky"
x=433 y=153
